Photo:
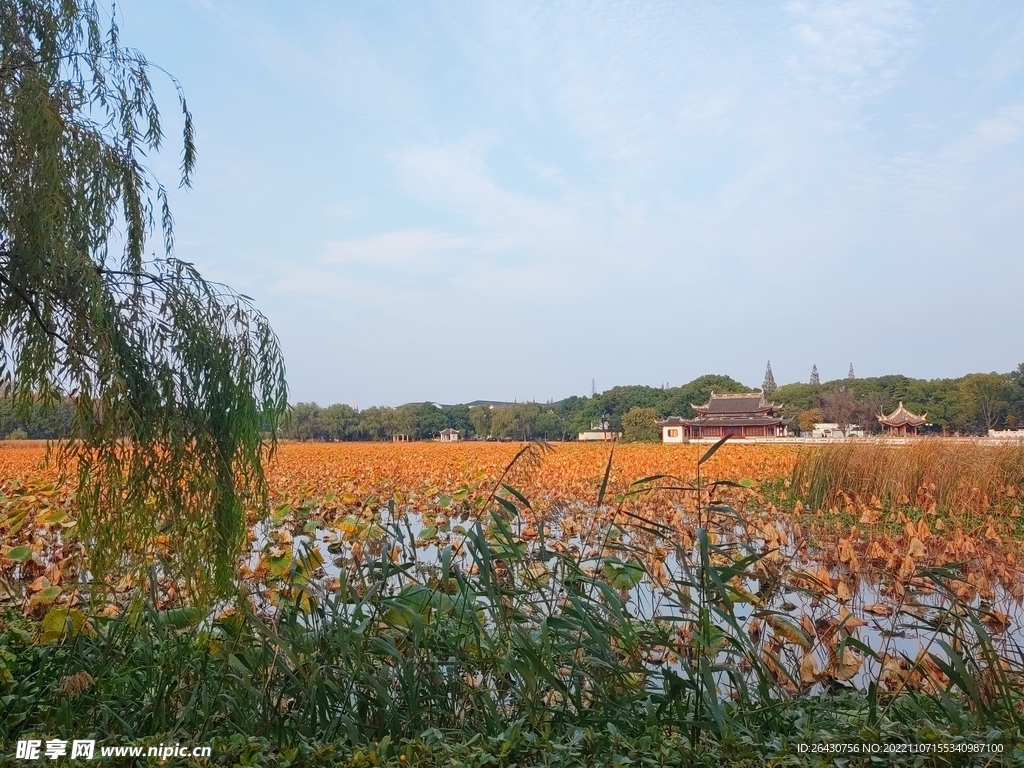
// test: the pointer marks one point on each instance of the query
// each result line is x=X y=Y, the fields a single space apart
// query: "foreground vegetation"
x=665 y=622
x=475 y=670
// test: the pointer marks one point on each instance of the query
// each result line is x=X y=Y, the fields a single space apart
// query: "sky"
x=449 y=201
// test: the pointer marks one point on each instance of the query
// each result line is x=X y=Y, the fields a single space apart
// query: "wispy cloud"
x=854 y=48
x=992 y=133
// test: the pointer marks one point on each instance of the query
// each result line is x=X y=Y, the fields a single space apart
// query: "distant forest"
x=969 y=405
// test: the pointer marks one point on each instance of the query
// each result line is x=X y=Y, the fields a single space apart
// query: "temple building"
x=742 y=415
x=902 y=422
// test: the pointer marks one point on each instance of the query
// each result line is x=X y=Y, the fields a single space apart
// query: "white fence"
x=990 y=440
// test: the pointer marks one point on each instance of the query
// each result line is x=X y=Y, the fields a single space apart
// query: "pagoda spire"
x=769 y=385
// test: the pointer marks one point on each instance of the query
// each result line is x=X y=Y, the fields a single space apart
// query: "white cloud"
x=854 y=48
x=942 y=185
x=991 y=134
x=455 y=178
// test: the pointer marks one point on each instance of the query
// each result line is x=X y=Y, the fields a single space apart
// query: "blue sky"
x=451 y=201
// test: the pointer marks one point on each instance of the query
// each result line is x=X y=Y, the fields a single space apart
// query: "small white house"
x=601 y=433
x=449 y=435
x=672 y=430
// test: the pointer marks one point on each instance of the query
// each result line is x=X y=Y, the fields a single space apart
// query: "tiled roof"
x=901 y=417
x=745 y=402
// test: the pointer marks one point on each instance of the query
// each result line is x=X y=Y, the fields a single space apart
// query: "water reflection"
x=785 y=602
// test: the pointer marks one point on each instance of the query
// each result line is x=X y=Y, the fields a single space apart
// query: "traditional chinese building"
x=743 y=415
x=902 y=422
x=449 y=435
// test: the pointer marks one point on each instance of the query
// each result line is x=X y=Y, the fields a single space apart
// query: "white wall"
x=667 y=438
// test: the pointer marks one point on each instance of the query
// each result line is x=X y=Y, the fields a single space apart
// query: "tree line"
x=968 y=405
x=562 y=420
x=971 y=404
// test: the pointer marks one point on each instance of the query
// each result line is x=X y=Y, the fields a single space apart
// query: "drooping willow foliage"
x=178 y=383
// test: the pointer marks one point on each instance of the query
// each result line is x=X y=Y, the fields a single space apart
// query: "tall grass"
x=951 y=475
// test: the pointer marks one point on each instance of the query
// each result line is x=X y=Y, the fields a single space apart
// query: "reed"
x=950 y=475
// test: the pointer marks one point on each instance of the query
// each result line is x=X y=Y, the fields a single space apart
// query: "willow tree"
x=176 y=382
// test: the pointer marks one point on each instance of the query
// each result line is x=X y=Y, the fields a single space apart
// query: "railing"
x=988 y=440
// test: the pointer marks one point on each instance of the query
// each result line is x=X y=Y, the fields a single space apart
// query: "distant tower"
x=769 y=381
x=815 y=378
x=851 y=374
x=593 y=387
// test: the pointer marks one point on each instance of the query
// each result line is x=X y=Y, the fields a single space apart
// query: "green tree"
x=638 y=426
x=421 y=421
x=304 y=422
x=377 y=423
x=50 y=421
x=987 y=393
x=174 y=380
x=339 y=422
x=503 y=421
x=617 y=401
x=515 y=422
x=551 y=426
x=1015 y=399
x=798 y=397
x=458 y=418
x=480 y=416
x=1017 y=376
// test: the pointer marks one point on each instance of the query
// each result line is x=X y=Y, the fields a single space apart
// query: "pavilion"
x=902 y=422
